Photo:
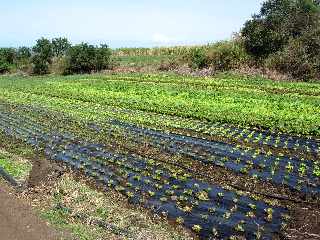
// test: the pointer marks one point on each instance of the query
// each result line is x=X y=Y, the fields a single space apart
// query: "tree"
x=277 y=23
x=44 y=49
x=42 y=57
x=23 y=53
x=7 y=59
x=60 y=46
x=103 y=57
x=85 y=58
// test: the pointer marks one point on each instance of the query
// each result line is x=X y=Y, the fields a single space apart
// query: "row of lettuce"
x=208 y=209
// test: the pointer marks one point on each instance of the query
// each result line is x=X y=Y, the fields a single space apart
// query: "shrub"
x=221 y=56
x=197 y=58
x=85 y=58
x=227 y=55
x=7 y=59
x=278 y=22
x=102 y=58
x=60 y=46
x=4 y=67
x=42 y=57
x=43 y=49
x=39 y=65
x=300 y=58
x=23 y=54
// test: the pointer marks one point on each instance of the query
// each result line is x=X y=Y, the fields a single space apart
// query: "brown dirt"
x=39 y=172
x=18 y=222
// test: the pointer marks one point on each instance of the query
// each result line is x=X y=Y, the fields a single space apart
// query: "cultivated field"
x=226 y=157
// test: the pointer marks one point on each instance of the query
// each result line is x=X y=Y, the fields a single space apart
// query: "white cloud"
x=161 y=38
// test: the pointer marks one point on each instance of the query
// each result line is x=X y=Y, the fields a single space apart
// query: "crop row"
x=207 y=209
x=296 y=173
x=302 y=175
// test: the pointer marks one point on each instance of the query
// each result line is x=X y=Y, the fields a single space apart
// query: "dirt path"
x=18 y=222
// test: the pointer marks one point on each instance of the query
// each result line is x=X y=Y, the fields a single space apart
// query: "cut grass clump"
x=18 y=168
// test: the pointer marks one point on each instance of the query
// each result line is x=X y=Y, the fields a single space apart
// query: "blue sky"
x=123 y=23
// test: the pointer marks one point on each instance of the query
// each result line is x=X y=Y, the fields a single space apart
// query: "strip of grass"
x=17 y=168
x=71 y=198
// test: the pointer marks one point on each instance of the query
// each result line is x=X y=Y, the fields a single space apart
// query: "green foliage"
x=102 y=57
x=198 y=58
x=227 y=55
x=23 y=53
x=7 y=59
x=43 y=53
x=18 y=169
x=300 y=58
x=40 y=66
x=277 y=23
x=221 y=56
x=43 y=49
x=85 y=58
x=244 y=101
x=60 y=46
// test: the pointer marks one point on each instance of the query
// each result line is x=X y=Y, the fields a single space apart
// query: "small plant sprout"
x=130 y=194
x=202 y=196
x=137 y=177
x=227 y=215
x=220 y=194
x=187 y=209
x=212 y=210
x=289 y=167
x=239 y=227
x=188 y=192
x=250 y=214
x=151 y=194
x=147 y=181
x=179 y=220
x=252 y=206
x=197 y=228
x=316 y=171
x=215 y=232
x=163 y=199
x=269 y=212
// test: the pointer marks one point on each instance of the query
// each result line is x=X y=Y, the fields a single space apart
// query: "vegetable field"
x=226 y=157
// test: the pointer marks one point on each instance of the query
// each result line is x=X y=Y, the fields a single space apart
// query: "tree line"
x=56 y=53
x=283 y=37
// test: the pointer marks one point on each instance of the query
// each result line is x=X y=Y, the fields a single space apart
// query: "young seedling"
x=197 y=228
x=179 y=220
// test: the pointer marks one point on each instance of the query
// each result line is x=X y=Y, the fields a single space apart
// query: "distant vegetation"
x=56 y=56
x=284 y=37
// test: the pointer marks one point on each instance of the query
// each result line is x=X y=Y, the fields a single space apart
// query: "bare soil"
x=19 y=222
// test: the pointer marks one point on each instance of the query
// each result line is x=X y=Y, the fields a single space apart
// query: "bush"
x=60 y=46
x=197 y=58
x=23 y=54
x=58 y=65
x=39 y=65
x=7 y=59
x=43 y=49
x=227 y=55
x=278 y=22
x=221 y=56
x=102 y=58
x=4 y=67
x=300 y=58
x=85 y=58
x=42 y=57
